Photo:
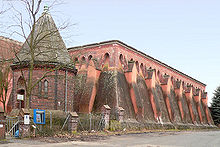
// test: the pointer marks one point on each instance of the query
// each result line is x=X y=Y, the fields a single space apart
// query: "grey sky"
x=184 y=34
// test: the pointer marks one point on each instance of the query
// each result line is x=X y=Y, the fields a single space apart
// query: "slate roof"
x=48 y=45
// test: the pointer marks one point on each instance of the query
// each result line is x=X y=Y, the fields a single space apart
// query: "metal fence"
x=89 y=122
x=12 y=125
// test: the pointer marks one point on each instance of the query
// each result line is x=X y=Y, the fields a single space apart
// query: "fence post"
x=106 y=112
x=2 y=124
x=72 y=122
x=24 y=125
x=51 y=119
x=120 y=114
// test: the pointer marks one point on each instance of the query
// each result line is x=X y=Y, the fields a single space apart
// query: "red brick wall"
x=2 y=130
x=43 y=101
x=115 y=50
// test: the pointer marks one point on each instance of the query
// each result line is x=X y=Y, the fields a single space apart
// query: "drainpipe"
x=55 y=101
x=66 y=91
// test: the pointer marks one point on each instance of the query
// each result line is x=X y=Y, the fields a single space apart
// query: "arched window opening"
x=121 y=61
x=106 y=61
x=20 y=92
x=158 y=73
x=21 y=82
x=90 y=57
x=121 y=58
x=159 y=76
x=83 y=59
x=106 y=56
x=172 y=80
x=137 y=65
x=76 y=60
x=40 y=88
x=142 y=68
x=46 y=87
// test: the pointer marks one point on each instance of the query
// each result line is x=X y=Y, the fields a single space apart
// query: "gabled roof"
x=48 y=45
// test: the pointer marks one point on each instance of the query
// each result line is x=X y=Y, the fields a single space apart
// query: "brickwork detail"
x=173 y=96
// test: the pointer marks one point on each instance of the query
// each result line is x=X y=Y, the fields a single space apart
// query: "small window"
x=90 y=57
x=76 y=60
x=39 y=88
x=46 y=87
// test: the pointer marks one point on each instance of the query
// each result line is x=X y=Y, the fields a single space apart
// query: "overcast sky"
x=184 y=34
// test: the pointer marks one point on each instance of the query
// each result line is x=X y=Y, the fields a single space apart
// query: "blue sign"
x=39 y=116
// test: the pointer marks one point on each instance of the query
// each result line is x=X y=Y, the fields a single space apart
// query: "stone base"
x=135 y=125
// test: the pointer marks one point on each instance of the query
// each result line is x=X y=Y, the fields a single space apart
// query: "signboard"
x=1 y=125
x=39 y=116
x=26 y=119
x=20 y=97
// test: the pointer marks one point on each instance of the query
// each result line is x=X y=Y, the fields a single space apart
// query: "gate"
x=89 y=122
x=12 y=125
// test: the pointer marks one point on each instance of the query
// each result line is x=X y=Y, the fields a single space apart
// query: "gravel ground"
x=151 y=139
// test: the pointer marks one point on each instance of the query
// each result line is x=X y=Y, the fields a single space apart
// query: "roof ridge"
x=11 y=40
x=140 y=52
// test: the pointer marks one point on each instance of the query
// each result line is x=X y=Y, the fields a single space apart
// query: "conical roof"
x=48 y=45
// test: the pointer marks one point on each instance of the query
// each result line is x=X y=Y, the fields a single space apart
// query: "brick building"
x=53 y=71
x=115 y=74
x=109 y=73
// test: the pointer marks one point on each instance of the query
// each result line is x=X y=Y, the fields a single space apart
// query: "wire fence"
x=91 y=122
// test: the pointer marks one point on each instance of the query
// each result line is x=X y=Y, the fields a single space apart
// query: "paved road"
x=159 y=139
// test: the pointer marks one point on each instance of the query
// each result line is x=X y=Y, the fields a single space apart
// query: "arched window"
x=106 y=61
x=39 y=88
x=83 y=59
x=121 y=61
x=90 y=57
x=106 y=56
x=46 y=87
x=137 y=65
x=76 y=60
x=142 y=68
x=121 y=58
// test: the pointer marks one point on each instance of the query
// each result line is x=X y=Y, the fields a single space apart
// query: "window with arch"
x=90 y=57
x=105 y=63
x=121 y=61
x=46 y=87
x=83 y=59
x=142 y=68
x=76 y=60
x=137 y=65
x=121 y=58
x=39 y=88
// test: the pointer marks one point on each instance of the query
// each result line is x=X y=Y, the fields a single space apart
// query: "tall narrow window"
x=46 y=87
x=39 y=88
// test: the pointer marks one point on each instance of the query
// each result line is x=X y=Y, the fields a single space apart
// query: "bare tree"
x=5 y=79
x=42 y=46
x=6 y=58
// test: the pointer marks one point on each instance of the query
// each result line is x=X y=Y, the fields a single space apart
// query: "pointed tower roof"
x=48 y=45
